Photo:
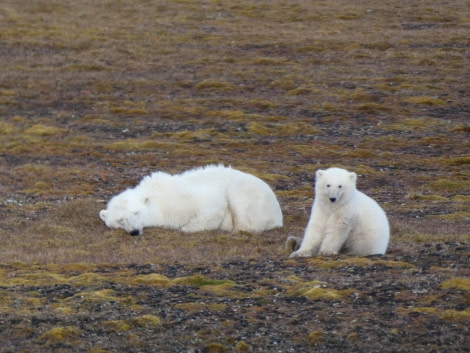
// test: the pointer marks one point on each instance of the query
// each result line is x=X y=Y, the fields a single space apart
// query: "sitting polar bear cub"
x=209 y=198
x=343 y=219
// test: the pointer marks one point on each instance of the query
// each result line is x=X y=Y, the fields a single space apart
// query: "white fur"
x=214 y=197
x=343 y=219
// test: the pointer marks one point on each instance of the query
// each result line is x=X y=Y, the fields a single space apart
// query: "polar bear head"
x=335 y=185
x=127 y=211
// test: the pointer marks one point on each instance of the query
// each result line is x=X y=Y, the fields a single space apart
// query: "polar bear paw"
x=300 y=254
x=327 y=252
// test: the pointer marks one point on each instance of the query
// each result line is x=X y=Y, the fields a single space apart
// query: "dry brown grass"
x=94 y=96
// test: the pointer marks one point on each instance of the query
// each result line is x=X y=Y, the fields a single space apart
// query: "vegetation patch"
x=42 y=130
x=316 y=337
x=449 y=185
x=448 y=315
x=276 y=88
x=117 y=325
x=215 y=85
x=60 y=335
x=146 y=322
x=459 y=161
x=317 y=293
x=216 y=348
x=457 y=283
x=410 y=124
x=424 y=100
x=153 y=279
x=346 y=262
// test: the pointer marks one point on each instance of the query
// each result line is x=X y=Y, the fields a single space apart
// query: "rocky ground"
x=394 y=303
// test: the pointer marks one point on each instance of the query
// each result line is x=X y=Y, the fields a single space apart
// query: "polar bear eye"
x=328 y=185
x=340 y=186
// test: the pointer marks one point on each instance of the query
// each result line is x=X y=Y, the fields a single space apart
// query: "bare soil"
x=394 y=303
x=94 y=95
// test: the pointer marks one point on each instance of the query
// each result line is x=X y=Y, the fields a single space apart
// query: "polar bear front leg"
x=336 y=233
x=311 y=241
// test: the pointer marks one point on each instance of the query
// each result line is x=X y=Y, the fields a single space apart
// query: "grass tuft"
x=316 y=337
x=459 y=161
x=457 y=283
x=146 y=322
x=242 y=347
x=320 y=294
x=455 y=315
x=215 y=86
x=153 y=279
x=215 y=348
x=67 y=334
x=42 y=130
x=424 y=100
x=449 y=185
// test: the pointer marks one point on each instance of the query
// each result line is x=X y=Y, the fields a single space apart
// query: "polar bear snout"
x=134 y=232
x=332 y=199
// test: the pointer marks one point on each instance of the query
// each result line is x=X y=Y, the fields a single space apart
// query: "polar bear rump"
x=214 y=197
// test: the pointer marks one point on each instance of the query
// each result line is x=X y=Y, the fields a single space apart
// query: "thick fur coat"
x=214 y=197
x=343 y=219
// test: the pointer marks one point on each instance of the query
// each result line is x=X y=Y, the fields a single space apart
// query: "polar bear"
x=343 y=219
x=214 y=197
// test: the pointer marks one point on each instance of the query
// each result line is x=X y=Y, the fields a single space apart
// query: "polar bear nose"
x=134 y=232
x=332 y=199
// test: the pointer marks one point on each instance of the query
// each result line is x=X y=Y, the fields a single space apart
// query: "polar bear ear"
x=319 y=173
x=353 y=177
x=103 y=215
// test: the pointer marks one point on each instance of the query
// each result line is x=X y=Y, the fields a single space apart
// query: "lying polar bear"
x=214 y=197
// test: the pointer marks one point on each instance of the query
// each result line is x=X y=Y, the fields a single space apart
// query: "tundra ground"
x=94 y=95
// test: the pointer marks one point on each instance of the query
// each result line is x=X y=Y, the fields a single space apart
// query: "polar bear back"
x=189 y=204
x=253 y=205
x=371 y=232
